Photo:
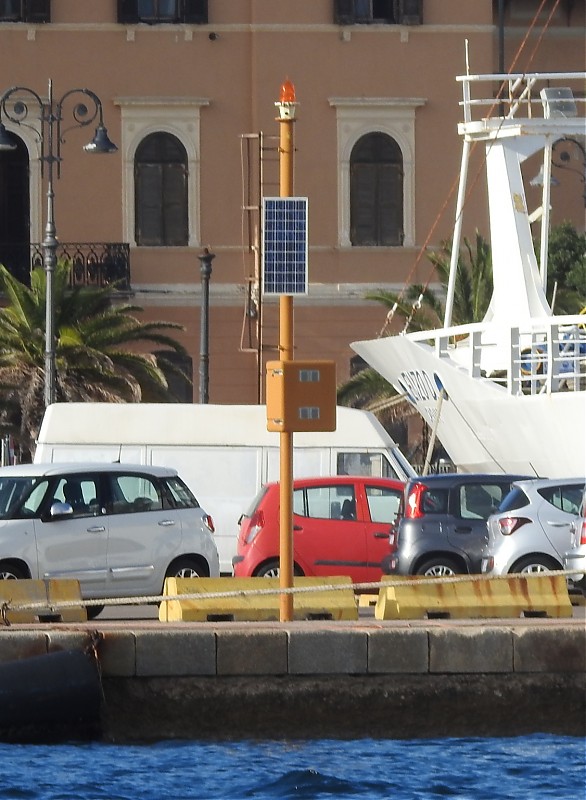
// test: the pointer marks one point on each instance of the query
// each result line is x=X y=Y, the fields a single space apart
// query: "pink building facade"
x=188 y=90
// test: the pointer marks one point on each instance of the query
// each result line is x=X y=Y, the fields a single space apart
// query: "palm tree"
x=95 y=355
x=421 y=309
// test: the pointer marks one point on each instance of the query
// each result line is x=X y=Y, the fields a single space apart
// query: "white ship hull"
x=484 y=426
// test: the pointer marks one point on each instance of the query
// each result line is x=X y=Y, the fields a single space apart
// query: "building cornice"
x=157 y=102
x=380 y=102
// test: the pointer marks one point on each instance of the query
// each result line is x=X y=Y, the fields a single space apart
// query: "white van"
x=223 y=452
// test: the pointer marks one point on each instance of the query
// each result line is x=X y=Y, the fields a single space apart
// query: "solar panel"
x=285 y=245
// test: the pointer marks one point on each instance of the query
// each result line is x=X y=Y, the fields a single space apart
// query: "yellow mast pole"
x=286 y=106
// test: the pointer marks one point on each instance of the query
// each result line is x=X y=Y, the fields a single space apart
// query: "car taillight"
x=583 y=532
x=508 y=525
x=210 y=523
x=257 y=522
x=413 y=509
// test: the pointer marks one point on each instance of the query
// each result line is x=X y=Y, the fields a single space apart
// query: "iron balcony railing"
x=93 y=263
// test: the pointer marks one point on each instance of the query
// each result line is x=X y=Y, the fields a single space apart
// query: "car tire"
x=8 y=572
x=271 y=569
x=186 y=568
x=532 y=565
x=438 y=568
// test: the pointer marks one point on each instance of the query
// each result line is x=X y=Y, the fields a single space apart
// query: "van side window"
x=132 y=494
x=370 y=464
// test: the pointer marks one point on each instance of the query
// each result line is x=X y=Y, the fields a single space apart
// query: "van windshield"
x=13 y=492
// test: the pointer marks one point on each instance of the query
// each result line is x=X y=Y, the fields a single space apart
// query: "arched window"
x=160 y=184
x=15 y=211
x=376 y=192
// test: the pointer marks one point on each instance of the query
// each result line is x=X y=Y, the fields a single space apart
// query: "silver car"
x=118 y=529
x=531 y=530
x=575 y=558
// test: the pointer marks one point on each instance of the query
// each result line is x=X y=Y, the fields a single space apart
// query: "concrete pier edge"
x=328 y=679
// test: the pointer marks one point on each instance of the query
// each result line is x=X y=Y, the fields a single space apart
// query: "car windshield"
x=13 y=491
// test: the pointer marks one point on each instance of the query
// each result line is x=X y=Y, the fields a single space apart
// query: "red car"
x=341 y=526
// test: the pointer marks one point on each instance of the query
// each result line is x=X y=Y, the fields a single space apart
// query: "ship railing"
x=545 y=355
x=517 y=94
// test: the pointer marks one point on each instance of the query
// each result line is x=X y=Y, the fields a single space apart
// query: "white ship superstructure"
x=509 y=393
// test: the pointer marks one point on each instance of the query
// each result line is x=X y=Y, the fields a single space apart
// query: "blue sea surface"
x=521 y=768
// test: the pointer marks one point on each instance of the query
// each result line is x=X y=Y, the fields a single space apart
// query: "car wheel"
x=533 y=565
x=185 y=568
x=272 y=570
x=438 y=568
x=93 y=611
x=8 y=572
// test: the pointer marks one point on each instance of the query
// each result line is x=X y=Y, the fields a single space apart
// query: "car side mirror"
x=59 y=510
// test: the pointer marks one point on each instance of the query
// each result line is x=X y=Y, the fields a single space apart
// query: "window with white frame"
x=387 y=127
x=174 y=122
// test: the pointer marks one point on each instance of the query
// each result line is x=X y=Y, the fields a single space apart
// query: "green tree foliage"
x=97 y=351
x=566 y=269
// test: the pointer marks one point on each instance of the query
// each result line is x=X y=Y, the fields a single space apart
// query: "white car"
x=576 y=557
x=531 y=530
x=119 y=529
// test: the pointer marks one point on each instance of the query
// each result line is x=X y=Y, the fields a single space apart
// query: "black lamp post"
x=49 y=132
x=204 y=352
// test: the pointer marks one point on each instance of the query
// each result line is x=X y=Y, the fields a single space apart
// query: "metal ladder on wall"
x=260 y=178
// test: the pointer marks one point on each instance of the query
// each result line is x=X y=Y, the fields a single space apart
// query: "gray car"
x=531 y=531
x=118 y=529
x=441 y=526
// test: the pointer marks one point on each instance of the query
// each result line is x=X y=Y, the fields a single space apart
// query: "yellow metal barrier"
x=249 y=605
x=544 y=595
x=48 y=594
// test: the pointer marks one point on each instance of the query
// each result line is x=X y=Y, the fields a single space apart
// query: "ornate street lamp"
x=204 y=351
x=48 y=130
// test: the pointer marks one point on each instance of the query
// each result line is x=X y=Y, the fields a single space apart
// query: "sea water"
x=520 y=768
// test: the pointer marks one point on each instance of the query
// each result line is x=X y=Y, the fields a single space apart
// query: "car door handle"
x=96 y=529
x=380 y=535
x=297 y=528
x=459 y=529
x=165 y=523
x=558 y=524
